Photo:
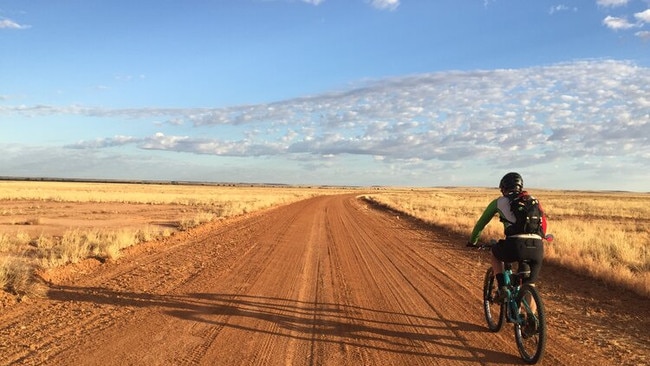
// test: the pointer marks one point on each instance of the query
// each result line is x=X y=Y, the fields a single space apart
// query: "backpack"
x=528 y=215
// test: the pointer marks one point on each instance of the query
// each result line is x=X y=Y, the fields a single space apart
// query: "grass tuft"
x=17 y=276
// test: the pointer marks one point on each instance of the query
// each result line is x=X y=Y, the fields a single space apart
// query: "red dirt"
x=53 y=218
x=325 y=281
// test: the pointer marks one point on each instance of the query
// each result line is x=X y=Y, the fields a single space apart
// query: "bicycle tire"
x=532 y=330
x=494 y=321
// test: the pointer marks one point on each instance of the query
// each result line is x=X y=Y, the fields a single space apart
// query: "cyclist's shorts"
x=517 y=249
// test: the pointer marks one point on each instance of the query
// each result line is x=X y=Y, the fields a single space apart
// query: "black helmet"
x=512 y=182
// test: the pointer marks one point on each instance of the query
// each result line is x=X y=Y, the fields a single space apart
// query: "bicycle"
x=522 y=307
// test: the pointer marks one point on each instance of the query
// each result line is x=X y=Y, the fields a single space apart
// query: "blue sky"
x=343 y=92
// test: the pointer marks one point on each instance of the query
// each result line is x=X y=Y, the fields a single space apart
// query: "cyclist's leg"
x=497 y=258
x=533 y=251
x=502 y=251
x=497 y=269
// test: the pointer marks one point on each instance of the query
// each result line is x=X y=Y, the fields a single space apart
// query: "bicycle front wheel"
x=495 y=313
x=530 y=329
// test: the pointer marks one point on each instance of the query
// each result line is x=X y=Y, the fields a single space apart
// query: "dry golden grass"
x=17 y=277
x=228 y=199
x=198 y=219
x=21 y=254
x=605 y=235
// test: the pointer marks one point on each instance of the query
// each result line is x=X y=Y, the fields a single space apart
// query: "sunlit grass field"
x=21 y=253
x=605 y=235
x=232 y=199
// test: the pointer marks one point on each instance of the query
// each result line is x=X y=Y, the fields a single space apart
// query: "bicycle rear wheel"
x=495 y=313
x=530 y=332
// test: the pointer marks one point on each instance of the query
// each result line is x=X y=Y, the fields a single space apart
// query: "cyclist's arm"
x=485 y=218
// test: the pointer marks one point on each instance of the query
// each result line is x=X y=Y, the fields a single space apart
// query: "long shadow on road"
x=308 y=321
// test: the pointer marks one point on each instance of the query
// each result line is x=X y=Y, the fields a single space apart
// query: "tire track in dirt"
x=395 y=289
x=326 y=281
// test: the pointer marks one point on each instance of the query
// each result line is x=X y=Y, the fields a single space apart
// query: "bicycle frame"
x=523 y=308
x=513 y=281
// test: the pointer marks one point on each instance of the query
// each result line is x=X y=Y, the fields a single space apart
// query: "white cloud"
x=103 y=142
x=385 y=4
x=645 y=35
x=622 y=22
x=612 y=3
x=561 y=8
x=557 y=8
x=643 y=16
x=570 y=108
x=592 y=109
x=617 y=23
x=10 y=24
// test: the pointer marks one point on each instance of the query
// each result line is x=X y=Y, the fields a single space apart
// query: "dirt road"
x=325 y=281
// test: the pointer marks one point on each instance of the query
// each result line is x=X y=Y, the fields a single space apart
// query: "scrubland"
x=604 y=235
x=49 y=224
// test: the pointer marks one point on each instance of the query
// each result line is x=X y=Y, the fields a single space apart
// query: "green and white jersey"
x=499 y=206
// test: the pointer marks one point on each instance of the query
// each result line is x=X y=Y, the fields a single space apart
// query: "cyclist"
x=516 y=246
